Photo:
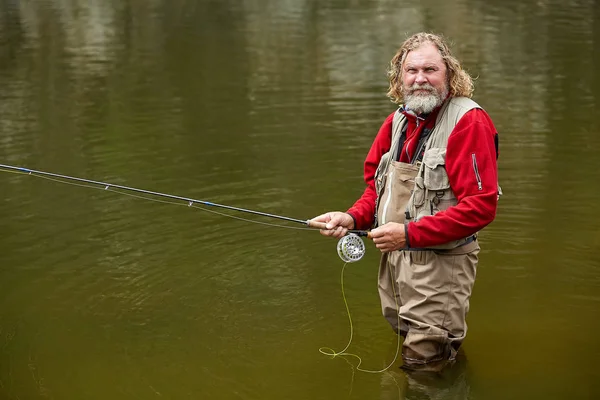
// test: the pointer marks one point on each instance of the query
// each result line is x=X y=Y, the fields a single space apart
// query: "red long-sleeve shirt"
x=473 y=140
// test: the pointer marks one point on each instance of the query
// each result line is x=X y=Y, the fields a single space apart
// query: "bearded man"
x=431 y=176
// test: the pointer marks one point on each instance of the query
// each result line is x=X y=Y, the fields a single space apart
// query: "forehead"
x=425 y=54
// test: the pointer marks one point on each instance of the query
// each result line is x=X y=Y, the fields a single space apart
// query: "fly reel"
x=351 y=248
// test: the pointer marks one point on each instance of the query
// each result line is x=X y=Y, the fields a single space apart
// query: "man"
x=431 y=179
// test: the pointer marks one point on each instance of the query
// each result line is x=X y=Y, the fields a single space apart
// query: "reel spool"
x=351 y=248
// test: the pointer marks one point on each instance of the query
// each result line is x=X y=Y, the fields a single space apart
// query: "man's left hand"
x=389 y=237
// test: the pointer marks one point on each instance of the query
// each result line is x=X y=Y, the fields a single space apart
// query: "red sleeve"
x=363 y=210
x=470 y=161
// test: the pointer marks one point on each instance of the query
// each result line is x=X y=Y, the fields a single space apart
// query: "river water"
x=271 y=106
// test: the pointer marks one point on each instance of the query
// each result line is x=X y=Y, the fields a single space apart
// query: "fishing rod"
x=350 y=247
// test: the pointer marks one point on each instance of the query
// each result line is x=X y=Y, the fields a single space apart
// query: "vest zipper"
x=477 y=176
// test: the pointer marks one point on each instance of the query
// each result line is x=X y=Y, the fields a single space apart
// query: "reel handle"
x=323 y=225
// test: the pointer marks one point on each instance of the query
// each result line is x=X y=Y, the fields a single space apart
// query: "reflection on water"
x=272 y=105
x=452 y=383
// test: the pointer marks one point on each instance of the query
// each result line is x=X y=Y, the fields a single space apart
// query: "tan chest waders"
x=424 y=293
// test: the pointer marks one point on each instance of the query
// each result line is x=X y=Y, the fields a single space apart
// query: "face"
x=424 y=79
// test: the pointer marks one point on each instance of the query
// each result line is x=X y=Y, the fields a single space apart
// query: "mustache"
x=425 y=86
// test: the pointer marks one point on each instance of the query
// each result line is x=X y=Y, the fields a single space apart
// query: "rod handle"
x=361 y=233
x=316 y=224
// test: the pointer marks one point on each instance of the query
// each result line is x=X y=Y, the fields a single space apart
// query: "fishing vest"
x=409 y=192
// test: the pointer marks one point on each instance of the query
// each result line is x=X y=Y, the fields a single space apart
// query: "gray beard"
x=424 y=104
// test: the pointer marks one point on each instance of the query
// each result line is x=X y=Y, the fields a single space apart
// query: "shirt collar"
x=411 y=114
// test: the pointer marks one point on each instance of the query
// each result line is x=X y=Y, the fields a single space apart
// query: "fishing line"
x=175 y=203
x=328 y=351
x=309 y=224
x=109 y=189
x=350 y=247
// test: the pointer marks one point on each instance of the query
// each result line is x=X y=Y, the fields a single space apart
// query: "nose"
x=420 y=78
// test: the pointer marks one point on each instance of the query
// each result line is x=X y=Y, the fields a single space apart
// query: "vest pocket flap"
x=405 y=177
x=435 y=176
x=434 y=157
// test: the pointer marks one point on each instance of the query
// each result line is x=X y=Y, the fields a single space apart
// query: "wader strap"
x=418 y=156
x=396 y=155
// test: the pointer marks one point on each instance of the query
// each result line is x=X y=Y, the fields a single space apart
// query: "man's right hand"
x=337 y=222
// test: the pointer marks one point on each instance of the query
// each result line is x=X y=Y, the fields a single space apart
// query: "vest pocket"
x=435 y=176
